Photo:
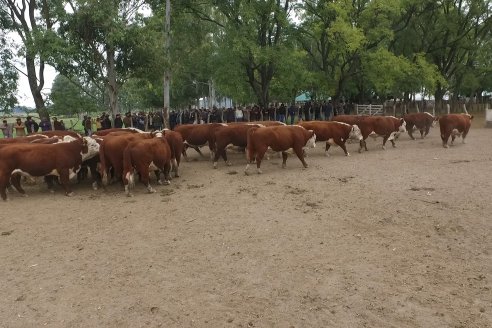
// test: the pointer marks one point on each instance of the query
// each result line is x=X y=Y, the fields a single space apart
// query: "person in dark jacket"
x=45 y=124
x=118 y=122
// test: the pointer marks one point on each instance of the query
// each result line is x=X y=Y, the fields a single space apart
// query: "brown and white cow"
x=175 y=141
x=144 y=155
x=388 y=127
x=454 y=125
x=111 y=153
x=105 y=132
x=62 y=159
x=280 y=139
x=199 y=135
x=234 y=134
x=334 y=133
x=419 y=121
x=26 y=139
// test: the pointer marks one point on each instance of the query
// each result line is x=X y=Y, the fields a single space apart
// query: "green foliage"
x=8 y=78
x=69 y=98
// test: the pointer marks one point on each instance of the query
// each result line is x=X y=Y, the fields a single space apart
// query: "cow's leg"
x=4 y=181
x=326 y=148
x=410 y=132
x=363 y=145
x=95 y=175
x=48 y=179
x=393 y=143
x=175 y=167
x=65 y=181
x=284 y=159
x=385 y=138
x=445 y=138
x=452 y=139
x=144 y=177
x=341 y=144
x=298 y=152
x=465 y=133
x=167 y=176
x=15 y=179
x=158 y=176
x=184 y=152
x=259 y=157
x=426 y=132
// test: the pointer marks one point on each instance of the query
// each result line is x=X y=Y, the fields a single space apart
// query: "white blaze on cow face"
x=355 y=133
x=311 y=143
x=403 y=127
x=92 y=148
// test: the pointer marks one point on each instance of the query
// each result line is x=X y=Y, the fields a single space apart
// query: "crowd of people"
x=29 y=126
x=287 y=113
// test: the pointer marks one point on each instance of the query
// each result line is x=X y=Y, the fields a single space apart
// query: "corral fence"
x=442 y=107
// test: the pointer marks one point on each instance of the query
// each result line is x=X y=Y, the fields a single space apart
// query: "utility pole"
x=167 y=73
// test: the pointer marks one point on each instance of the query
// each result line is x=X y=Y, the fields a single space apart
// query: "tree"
x=31 y=20
x=69 y=97
x=8 y=76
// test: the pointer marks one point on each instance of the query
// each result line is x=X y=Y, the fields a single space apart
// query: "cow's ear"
x=471 y=117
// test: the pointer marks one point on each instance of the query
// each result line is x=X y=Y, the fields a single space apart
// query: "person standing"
x=6 y=129
x=31 y=125
x=57 y=124
x=118 y=122
x=88 y=126
x=127 y=120
x=20 y=128
x=292 y=113
x=281 y=113
x=45 y=124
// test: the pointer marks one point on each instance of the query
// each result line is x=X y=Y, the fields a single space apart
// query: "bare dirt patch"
x=395 y=238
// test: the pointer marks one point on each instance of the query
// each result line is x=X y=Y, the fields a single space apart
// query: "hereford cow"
x=142 y=155
x=454 y=125
x=61 y=133
x=388 y=127
x=198 y=135
x=334 y=133
x=26 y=139
x=235 y=134
x=105 y=132
x=419 y=121
x=111 y=153
x=278 y=138
x=62 y=159
x=175 y=141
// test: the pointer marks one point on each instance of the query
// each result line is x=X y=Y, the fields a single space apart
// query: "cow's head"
x=311 y=143
x=355 y=133
x=92 y=148
x=403 y=126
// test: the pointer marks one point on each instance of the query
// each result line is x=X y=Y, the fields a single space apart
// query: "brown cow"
x=61 y=133
x=26 y=139
x=278 y=138
x=388 y=127
x=175 y=141
x=198 y=135
x=454 y=125
x=235 y=134
x=145 y=154
x=105 y=132
x=111 y=153
x=334 y=133
x=419 y=121
x=62 y=159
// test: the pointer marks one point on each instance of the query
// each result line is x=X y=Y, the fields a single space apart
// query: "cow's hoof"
x=259 y=171
x=445 y=146
x=360 y=150
x=384 y=148
x=129 y=195
x=159 y=182
x=306 y=166
x=246 y=173
x=228 y=163
x=215 y=165
x=95 y=186
x=151 y=191
x=327 y=154
x=51 y=191
x=284 y=165
x=176 y=175
x=166 y=183
x=24 y=195
x=347 y=154
x=70 y=194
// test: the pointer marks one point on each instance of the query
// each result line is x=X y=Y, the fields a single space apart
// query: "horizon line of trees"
x=111 y=54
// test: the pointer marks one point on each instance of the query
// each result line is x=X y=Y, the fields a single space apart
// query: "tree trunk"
x=35 y=87
x=112 y=84
x=167 y=72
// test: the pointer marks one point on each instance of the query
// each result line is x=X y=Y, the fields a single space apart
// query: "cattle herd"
x=119 y=154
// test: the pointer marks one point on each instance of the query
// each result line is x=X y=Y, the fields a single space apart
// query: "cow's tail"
x=103 y=166
x=128 y=168
x=250 y=148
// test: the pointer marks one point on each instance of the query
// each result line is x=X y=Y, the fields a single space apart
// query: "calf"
x=388 y=127
x=62 y=159
x=111 y=153
x=198 y=135
x=454 y=125
x=419 y=121
x=278 y=138
x=236 y=134
x=334 y=133
x=145 y=154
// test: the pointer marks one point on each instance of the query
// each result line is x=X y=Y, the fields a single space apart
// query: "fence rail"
x=369 y=109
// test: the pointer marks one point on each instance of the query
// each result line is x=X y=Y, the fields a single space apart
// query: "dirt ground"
x=395 y=238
